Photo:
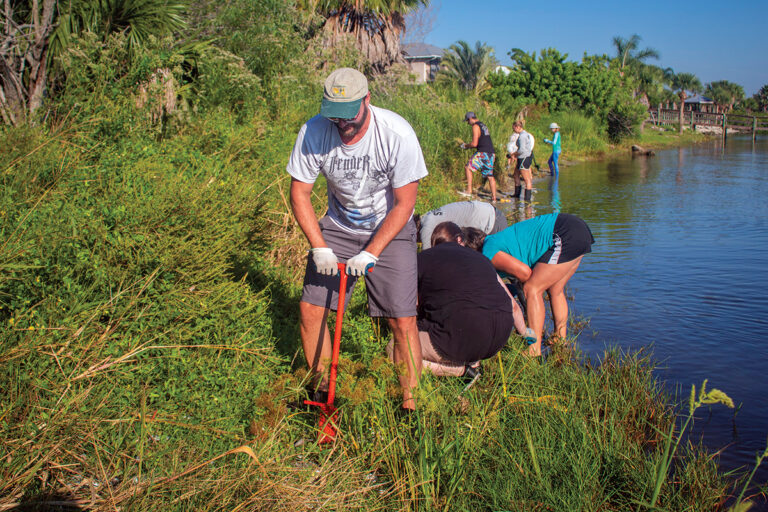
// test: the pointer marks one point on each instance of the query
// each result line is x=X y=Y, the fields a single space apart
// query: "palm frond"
x=139 y=19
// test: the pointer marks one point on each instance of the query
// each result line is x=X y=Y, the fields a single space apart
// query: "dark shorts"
x=391 y=285
x=500 y=223
x=483 y=162
x=571 y=238
x=524 y=163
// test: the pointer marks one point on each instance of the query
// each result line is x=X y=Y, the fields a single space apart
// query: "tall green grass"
x=582 y=134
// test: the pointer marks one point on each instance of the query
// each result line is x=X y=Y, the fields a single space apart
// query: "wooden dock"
x=733 y=122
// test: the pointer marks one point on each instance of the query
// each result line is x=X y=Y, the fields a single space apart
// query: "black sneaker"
x=471 y=374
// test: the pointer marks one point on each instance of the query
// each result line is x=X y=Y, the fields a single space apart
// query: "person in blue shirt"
x=542 y=253
x=554 y=169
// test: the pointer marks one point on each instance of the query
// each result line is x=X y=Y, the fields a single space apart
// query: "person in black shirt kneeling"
x=465 y=313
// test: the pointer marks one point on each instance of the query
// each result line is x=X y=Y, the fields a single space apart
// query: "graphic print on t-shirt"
x=360 y=177
x=355 y=175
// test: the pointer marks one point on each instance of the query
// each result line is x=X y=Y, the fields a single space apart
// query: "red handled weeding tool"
x=330 y=414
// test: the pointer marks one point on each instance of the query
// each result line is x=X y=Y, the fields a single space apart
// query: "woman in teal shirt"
x=542 y=253
x=554 y=169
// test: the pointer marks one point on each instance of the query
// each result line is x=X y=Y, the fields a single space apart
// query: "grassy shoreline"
x=651 y=139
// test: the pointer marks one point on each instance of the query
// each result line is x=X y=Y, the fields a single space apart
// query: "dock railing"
x=734 y=122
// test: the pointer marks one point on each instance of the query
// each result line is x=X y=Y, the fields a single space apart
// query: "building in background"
x=700 y=103
x=423 y=60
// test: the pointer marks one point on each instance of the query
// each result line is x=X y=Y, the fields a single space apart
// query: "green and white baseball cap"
x=344 y=90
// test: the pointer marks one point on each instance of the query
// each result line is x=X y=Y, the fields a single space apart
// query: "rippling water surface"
x=680 y=263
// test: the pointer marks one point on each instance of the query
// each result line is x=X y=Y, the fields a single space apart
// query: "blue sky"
x=715 y=40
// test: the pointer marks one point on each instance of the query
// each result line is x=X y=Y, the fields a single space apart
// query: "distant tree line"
x=617 y=90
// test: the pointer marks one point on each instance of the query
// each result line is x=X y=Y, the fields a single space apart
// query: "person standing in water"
x=511 y=152
x=483 y=158
x=554 y=169
x=524 y=156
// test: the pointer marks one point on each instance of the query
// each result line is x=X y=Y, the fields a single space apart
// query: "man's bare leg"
x=469 y=179
x=316 y=341
x=407 y=354
x=492 y=181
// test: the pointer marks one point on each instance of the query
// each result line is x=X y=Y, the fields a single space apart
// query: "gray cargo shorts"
x=391 y=284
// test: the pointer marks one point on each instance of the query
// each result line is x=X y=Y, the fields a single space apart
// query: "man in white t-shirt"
x=372 y=162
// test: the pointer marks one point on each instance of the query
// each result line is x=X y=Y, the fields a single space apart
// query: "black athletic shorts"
x=524 y=163
x=571 y=238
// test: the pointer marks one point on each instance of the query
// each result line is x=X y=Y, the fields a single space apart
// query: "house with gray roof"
x=699 y=103
x=423 y=60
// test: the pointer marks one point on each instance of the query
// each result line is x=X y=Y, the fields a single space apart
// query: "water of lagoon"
x=680 y=264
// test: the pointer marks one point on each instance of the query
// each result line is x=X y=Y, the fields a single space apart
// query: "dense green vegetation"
x=149 y=268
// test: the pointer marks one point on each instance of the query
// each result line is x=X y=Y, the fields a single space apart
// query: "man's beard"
x=348 y=129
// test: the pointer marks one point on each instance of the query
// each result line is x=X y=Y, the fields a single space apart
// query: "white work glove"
x=325 y=261
x=530 y=336
x=361 y=264
x=463 y=145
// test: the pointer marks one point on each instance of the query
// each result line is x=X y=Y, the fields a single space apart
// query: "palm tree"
x=376 y=26
x=138 y=19
x=724 y=93
x=761 y=97
x=467 y=67
x=649 y=82
x=34 y=33
x=628 y=53
x=683 y=83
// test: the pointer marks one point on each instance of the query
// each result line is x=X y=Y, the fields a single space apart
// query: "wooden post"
x=725 y=127
x=754 y=128
x=693 y=126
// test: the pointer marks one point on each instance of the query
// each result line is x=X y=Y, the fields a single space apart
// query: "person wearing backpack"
x=524 y=156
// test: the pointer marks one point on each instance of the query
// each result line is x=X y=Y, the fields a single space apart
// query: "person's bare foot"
x=534 y=350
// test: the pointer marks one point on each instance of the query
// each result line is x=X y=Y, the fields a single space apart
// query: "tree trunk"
x=682 y=108
x=38 y=82
x=23 y=60
x=11 y=95
x=377 y=38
